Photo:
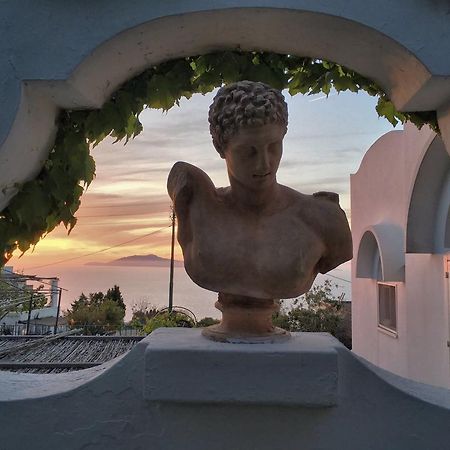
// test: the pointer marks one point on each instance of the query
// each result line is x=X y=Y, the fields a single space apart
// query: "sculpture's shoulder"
x=184 y=179
x=325 y=205
x=322 y=205
x=327 y=214
x=325 y=195
x=313 y=207
x=323 y=214
x=188 y=185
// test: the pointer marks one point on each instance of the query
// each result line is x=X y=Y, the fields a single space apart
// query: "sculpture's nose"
x=263 y=163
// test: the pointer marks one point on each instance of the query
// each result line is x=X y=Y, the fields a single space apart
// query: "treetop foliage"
x=97 y=313
x=318 y=310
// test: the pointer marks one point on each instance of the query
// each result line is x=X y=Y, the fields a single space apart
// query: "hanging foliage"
x=54 y=195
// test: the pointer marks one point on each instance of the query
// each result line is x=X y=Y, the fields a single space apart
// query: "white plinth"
x=183 y=366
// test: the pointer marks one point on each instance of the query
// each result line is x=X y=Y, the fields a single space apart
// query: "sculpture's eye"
x=274 y=147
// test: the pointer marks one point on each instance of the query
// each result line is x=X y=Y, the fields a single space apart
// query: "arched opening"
x=381 y=253
x=428 y=223
x=368 y=262
x=447 y=231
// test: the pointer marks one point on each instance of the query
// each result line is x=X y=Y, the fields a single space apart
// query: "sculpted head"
x=244 y=104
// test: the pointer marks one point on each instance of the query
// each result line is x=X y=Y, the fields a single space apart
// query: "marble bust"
x=256 y=240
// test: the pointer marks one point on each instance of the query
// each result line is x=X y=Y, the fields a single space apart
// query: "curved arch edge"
x=111 y=62
x=429 y=201
x=383 y=242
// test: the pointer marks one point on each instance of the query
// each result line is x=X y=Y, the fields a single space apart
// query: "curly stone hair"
x=245 y=103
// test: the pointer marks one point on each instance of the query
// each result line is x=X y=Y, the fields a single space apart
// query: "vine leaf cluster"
x=53 y=197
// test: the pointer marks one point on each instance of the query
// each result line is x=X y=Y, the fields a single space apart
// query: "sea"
x=149 y=286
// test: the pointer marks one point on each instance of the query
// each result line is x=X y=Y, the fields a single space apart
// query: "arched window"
x=381 y=253
x=368 y=263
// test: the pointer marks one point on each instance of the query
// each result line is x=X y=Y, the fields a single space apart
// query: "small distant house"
x=400 y=271
x=41 y=320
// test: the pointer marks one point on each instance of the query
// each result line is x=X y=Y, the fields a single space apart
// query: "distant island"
x=138 y=261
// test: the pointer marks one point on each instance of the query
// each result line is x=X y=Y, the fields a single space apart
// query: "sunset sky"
x=326 y=140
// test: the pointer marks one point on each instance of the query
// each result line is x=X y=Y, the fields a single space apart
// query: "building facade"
x=17 y=292
x=401 y=232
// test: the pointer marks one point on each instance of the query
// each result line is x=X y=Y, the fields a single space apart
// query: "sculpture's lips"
x=257 y=175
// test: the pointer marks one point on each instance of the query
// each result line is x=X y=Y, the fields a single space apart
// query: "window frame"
x=381 y=327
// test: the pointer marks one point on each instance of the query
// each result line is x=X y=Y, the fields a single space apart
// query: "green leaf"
x=386 y=108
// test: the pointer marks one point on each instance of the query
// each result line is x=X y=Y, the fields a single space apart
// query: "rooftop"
x=55 y=354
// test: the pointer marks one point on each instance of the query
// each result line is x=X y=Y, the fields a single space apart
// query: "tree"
x=81 y=302
x=115 y=295
x=318 y=310
x=99 y=313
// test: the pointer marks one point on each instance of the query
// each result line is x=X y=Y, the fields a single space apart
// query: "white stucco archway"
x=69 y=65
x=381 y=254
x=368 y=260
x=428 y=221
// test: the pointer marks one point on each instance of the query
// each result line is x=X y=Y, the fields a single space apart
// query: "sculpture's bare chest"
x=266 y=256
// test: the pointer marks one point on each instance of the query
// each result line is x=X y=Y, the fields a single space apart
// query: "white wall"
x=380 y=193
x=427 y=319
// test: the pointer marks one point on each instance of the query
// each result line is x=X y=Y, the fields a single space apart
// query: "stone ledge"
x=184 y=367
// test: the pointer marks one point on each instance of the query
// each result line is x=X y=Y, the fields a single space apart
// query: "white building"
x=48 y=312
x=401 y=237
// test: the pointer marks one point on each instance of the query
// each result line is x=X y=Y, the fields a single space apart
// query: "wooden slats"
x=60 y=354
x=5 y=365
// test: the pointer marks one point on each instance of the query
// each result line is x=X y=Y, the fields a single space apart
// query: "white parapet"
x=175 y=391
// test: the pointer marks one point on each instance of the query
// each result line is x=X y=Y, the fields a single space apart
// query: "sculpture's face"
x=253 y=155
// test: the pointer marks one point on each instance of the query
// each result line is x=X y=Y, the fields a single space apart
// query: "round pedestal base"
x=215 y=333
x=246 y=320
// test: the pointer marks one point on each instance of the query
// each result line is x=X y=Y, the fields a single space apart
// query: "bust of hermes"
x=255 y=238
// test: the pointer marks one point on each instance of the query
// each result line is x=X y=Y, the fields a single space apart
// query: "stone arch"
x=447 y=231
x=381 y=253
x=428 y=225
x=368 y=260
x=104 y=60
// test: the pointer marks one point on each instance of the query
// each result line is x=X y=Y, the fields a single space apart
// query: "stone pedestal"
x=246 y=320
x=183 y=366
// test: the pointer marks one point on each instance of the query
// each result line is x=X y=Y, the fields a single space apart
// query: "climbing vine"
x=54 y=195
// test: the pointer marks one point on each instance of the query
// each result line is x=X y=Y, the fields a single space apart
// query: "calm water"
x=146 y=285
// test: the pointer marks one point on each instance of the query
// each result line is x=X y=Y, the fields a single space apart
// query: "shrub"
x=318 y=310
x=206 y=322
x=167 y=320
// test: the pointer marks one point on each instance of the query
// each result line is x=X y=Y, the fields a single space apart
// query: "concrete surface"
x=107 y=408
